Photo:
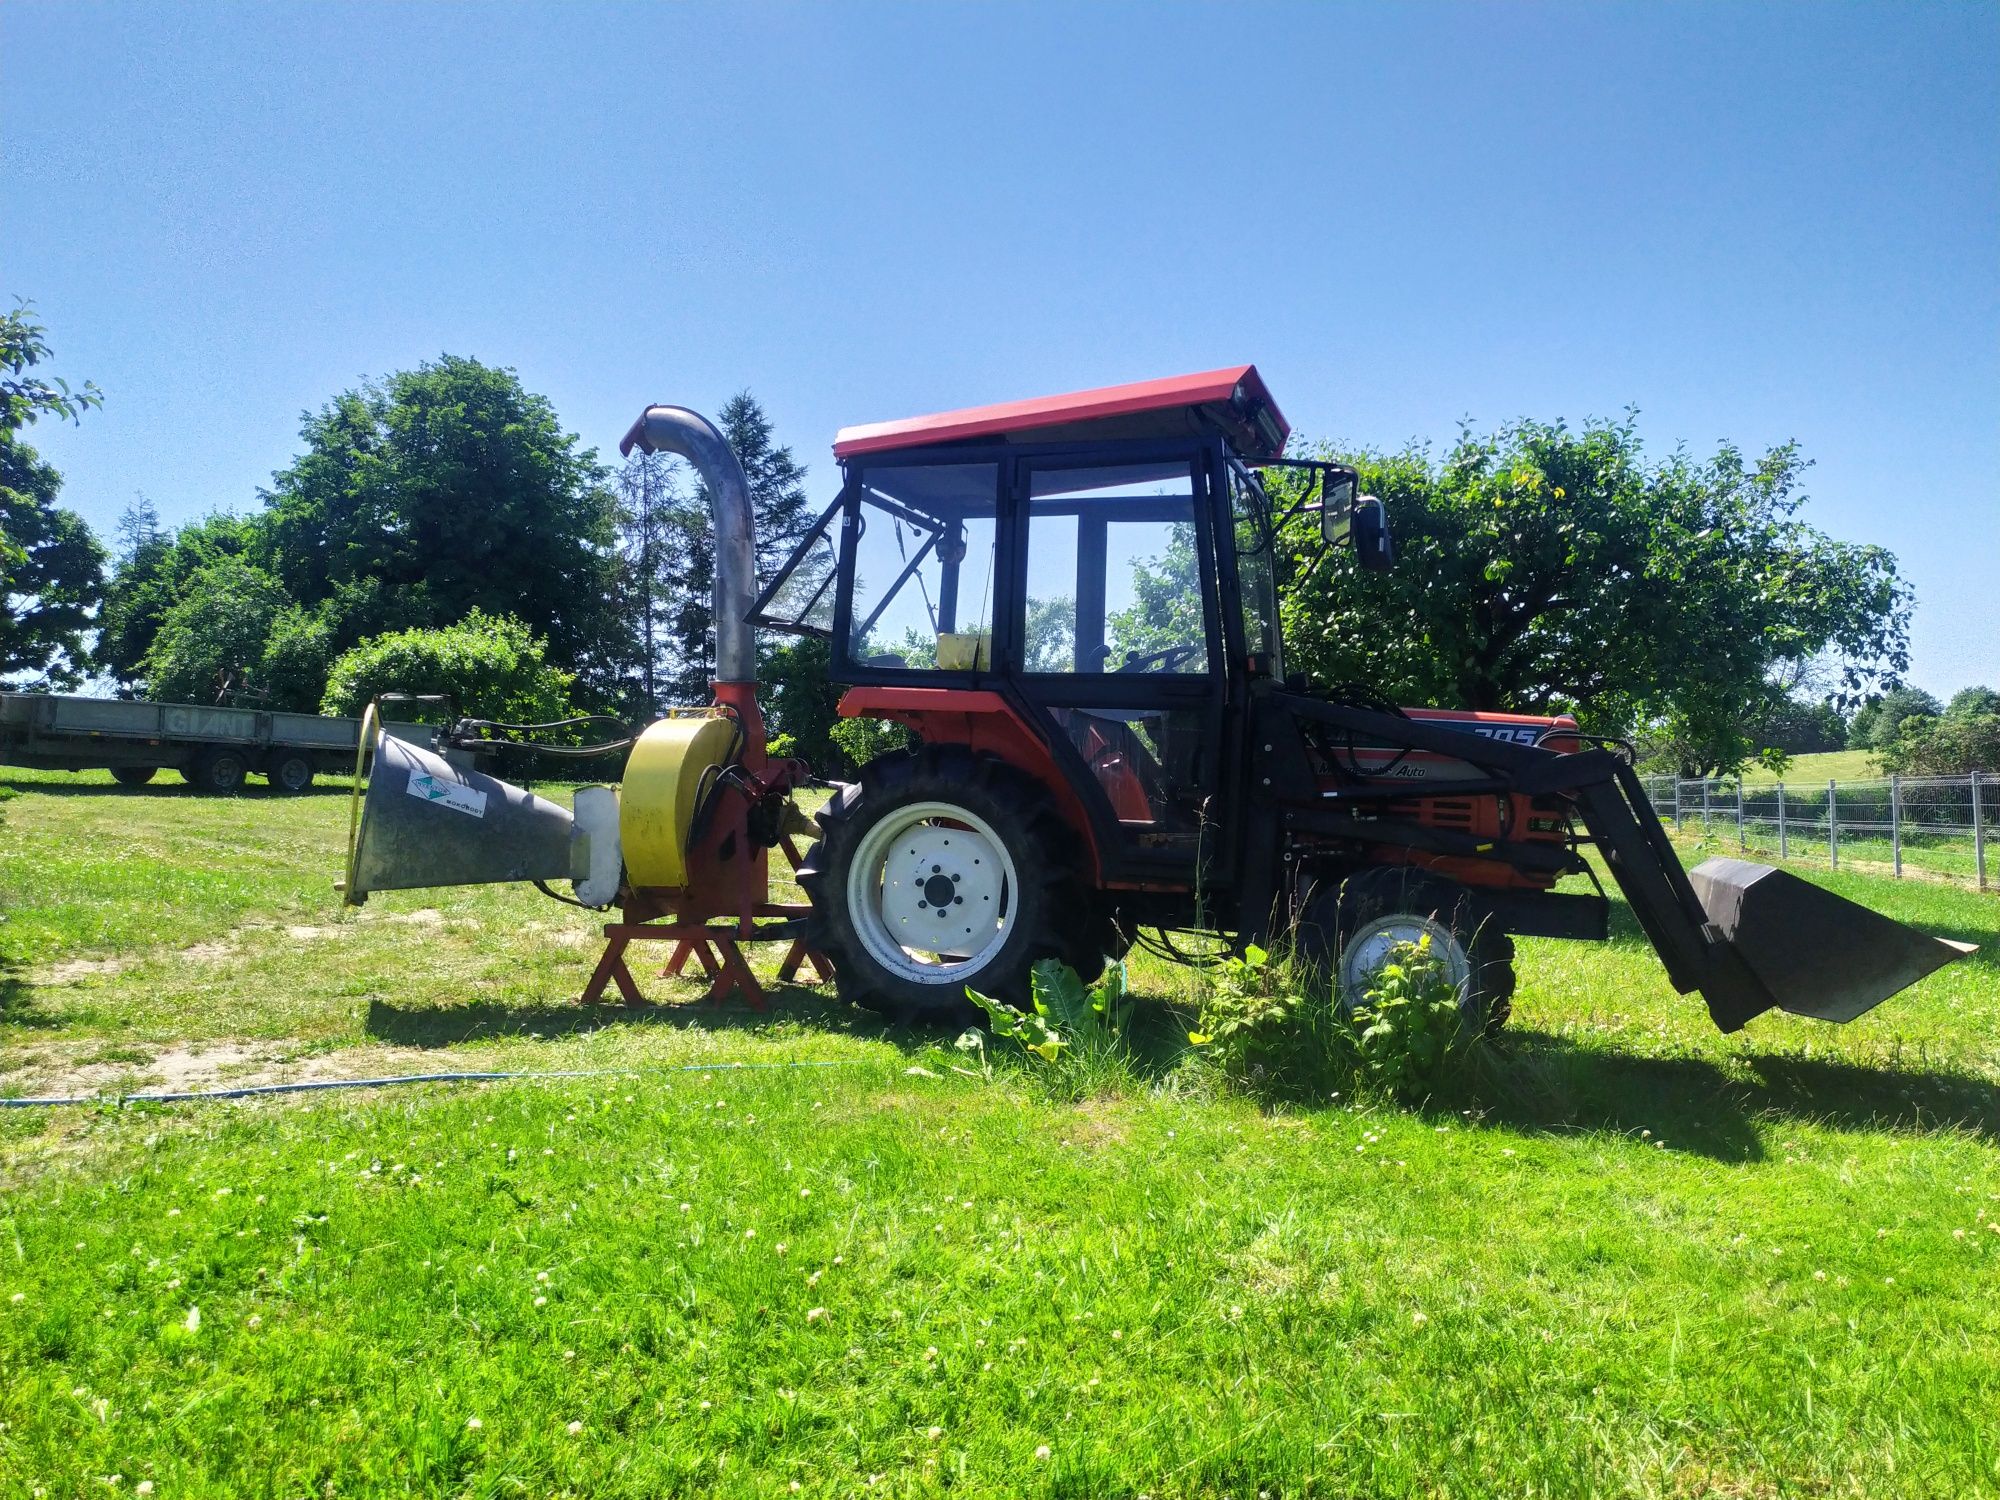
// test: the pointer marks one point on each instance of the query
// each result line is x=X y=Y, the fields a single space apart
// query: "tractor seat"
x=1130 y=774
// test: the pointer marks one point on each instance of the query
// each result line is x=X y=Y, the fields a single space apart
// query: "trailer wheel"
x=942 y=870
x=1348 y=927
x=218 y=773
x=133 y=775
x=290 y=773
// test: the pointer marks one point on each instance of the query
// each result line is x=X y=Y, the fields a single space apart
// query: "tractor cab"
x=1091 y=573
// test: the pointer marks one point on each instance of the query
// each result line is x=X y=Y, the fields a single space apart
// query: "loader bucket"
x=1811 y=952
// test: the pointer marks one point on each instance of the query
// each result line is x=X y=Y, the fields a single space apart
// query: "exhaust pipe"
x=675 y=429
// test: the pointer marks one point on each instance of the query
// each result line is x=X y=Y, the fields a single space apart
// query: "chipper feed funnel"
x=426 y=822
x=1811 y=952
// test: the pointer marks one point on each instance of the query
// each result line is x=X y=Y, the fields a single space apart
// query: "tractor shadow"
x=170 y=787
x=792 y=1009
x=1543 y=1083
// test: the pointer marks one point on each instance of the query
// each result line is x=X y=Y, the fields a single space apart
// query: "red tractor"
x=1071 y=606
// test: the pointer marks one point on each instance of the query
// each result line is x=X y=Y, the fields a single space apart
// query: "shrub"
x=1247 y=1013
x=491 y=666
x=863 y=740
x=1950 y=746
x=1408 y=1030
x=214 y=634
x=296 y=653
x=1067 y=1014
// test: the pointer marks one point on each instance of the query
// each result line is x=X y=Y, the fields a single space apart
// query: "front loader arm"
x=1747 y=936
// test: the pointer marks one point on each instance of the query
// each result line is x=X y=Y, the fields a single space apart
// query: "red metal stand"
x=718 y=949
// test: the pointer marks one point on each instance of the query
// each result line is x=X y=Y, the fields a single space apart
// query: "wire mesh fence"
x=1929 y=825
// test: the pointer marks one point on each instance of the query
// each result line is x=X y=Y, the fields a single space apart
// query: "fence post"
x=1677 y=802
x=1782 y=850
x=1978 y=835
x=1896 y=824
x=1705 y=785
x=1832 y=828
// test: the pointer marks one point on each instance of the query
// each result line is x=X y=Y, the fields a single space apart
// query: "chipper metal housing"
x=1071 y=605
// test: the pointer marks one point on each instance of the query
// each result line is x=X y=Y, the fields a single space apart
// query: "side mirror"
x=1336 y=509
x=1373 y=548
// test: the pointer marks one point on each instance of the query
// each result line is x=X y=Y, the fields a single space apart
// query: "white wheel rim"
x=1369 y=948
x=931 y=892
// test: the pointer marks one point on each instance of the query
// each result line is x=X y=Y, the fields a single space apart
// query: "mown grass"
x=1628 y=1256
x=1819 y=768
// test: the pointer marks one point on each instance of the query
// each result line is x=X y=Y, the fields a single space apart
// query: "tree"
x=777 y=495
x=1896 y=705
x=211 y=643
x=51 y=566
x=1798 y=728
x=1545 y=569
x=492 y=666
x=1972 y=703
x=650 y=535
x=1953 y=745
x=441 y=491
x=152 y=575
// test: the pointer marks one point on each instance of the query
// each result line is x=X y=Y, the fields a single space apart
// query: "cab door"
x=1117 y=649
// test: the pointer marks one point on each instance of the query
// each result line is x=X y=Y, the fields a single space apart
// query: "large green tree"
x=212 y=641
x=443 y=490
x=51 y=566
x=1545 y=568
x=153 y=572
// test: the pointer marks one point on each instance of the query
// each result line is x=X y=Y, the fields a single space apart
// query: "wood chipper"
x=1071 y=606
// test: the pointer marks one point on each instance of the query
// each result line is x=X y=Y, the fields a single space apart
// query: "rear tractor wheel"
x=942 y=870
x=1350 y=927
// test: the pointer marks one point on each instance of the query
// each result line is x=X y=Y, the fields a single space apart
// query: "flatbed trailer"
x=215 y=749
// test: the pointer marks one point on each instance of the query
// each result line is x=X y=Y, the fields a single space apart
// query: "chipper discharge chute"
x=1070 y=606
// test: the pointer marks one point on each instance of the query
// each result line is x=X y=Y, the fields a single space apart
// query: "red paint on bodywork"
x=1486 y=815
x=981 y=721
x=1210 y=388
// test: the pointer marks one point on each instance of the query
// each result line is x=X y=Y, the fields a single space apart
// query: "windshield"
x=1256 y=570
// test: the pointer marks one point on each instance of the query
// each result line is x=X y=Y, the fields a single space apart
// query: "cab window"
x=1114 y=579
x=923 y=588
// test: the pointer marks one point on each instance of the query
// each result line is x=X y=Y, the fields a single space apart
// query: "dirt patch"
x=203 y=952
x=428 y=916
x=1095 y=1124
x=75 y=969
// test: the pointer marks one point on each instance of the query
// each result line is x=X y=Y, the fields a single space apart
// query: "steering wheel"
x=1158 y=661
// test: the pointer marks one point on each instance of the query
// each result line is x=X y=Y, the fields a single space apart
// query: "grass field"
x=1820 y=768
x=1635 y=1257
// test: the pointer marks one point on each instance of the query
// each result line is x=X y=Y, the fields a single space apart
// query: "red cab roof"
x=1235 y=398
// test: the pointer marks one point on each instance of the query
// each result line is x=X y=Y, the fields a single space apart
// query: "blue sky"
x=1754 y=222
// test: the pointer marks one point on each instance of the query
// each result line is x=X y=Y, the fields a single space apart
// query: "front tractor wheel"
x=942 y=870
x=1351 y=927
